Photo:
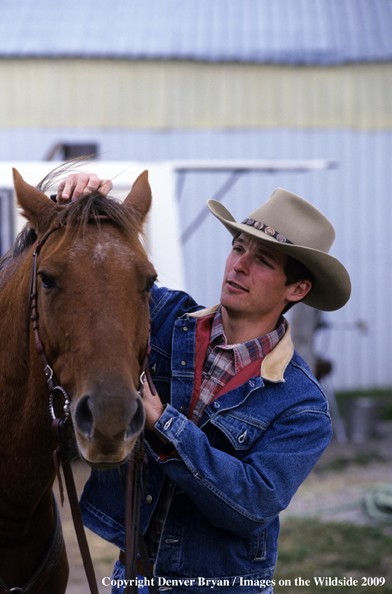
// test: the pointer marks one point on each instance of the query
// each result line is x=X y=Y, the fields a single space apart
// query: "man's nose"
x=242 y=264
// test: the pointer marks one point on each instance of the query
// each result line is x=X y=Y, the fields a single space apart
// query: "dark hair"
x=295 y=272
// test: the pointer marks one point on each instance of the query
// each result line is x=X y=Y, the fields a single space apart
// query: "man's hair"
x=295 y=272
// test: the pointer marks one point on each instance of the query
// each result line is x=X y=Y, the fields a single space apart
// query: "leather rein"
x=62 y=432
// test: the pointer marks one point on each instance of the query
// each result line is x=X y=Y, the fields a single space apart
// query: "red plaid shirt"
x=224 y=361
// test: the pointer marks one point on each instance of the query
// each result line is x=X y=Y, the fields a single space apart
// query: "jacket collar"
x=274 y=364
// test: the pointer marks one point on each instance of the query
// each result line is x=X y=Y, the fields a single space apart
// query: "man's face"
x=254 y=282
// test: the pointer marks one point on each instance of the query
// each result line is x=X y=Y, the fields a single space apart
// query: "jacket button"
x=242 y=437
x=183 y=362
x=149 y=499
x=168 y=423
x=185 y=328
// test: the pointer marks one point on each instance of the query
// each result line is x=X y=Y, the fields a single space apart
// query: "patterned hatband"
x=268 y=230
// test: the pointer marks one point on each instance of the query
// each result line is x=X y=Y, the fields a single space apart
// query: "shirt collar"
x=262 y=345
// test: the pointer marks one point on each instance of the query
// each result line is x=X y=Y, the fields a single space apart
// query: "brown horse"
x=93 y=282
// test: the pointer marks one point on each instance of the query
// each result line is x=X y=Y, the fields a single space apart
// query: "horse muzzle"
x=107 y=423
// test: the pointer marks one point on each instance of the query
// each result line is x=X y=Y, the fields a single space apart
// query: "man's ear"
x=299 y=290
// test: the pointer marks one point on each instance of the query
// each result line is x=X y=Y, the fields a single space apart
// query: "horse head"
x=93 y=285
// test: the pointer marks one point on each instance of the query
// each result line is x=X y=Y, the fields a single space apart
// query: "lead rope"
x=61 y=457
x=134 y=539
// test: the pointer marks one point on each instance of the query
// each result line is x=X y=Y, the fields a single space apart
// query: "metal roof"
x=262 y=31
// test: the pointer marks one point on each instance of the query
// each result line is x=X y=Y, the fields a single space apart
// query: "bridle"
x=62 y=432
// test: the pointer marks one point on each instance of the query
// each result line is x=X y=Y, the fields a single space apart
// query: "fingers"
x=153 y=406
x=105 y=186
x=77 y=184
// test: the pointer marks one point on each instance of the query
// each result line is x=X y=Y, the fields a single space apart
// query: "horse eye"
x=47 y=281
x=150 y=283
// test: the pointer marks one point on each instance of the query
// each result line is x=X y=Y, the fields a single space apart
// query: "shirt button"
x=207 y=376
x=149 y=499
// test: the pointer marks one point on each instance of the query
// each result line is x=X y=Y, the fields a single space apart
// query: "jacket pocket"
x=240 y=430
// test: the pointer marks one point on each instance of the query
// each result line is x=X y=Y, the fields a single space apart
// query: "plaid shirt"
x=222 y=362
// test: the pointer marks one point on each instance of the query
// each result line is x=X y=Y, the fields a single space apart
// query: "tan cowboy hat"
x=293 y=226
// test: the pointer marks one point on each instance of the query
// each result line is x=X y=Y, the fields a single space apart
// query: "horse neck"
x=26 y=446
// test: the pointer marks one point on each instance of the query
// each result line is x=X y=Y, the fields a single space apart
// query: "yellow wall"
x=160 y=95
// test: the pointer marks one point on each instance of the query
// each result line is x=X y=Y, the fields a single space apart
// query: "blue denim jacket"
x=237 y=470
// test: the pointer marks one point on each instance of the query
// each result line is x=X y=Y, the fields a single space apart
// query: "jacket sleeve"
x=244 y=495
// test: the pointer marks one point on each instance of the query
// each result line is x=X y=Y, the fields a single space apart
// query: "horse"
x=93 y=281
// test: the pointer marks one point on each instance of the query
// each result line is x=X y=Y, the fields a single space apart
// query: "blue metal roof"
x=262 y=31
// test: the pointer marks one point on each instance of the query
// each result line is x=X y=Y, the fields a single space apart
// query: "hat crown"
x=298 y=220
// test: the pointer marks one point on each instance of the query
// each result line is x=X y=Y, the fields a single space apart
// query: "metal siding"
x=276 y=31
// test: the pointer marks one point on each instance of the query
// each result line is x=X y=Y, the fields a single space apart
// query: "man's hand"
x=76 y=184
x=153 y=407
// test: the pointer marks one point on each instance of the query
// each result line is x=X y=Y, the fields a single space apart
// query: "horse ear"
x=38 y=209
x=139 y=198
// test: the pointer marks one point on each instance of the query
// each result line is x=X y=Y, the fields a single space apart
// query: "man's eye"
x=265 y=262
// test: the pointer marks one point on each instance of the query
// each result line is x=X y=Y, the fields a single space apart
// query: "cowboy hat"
x=293 y=226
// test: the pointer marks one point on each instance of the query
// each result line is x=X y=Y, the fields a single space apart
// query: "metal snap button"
x=168 y=423
x=242 y=437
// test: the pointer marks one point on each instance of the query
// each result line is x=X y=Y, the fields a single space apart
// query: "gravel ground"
x=343 y=478
x=334 y=491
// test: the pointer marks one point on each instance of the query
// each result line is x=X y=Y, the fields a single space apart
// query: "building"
x=305 y=85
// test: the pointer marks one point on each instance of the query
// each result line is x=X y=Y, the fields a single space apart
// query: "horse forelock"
x=77 y=215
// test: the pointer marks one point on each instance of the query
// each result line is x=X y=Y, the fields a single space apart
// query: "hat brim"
x=331 y=288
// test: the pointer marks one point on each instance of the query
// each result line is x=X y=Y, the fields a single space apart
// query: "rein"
x=62 y=432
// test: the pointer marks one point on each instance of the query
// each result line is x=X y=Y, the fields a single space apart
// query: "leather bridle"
x=62 y=431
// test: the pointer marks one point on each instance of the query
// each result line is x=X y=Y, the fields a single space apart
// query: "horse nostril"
x=83 y=416
x=137 y=421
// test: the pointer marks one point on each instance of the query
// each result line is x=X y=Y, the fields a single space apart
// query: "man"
x=239 y=421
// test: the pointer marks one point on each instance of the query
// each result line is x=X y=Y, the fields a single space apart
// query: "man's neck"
x=239 y=329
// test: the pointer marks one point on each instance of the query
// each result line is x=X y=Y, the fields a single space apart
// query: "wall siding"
x=123 y=94
x=355 y=196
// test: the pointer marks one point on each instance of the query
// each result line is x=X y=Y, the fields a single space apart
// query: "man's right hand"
x=77 y=184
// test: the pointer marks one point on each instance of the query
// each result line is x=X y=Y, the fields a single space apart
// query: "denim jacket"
x=236 y=470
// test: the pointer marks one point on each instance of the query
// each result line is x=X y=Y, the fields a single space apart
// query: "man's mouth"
x=237 y=286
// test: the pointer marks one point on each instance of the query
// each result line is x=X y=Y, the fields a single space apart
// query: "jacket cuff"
x=169 y=424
